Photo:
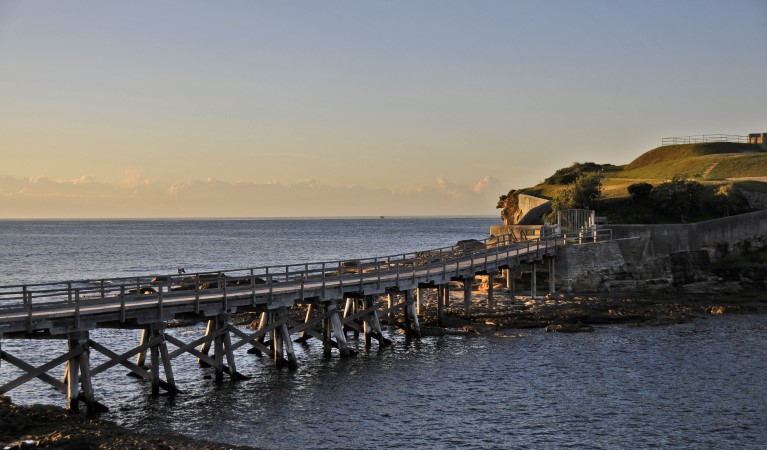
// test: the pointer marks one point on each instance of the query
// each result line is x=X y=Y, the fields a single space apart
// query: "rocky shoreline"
x=581 y=312
x=51 y=427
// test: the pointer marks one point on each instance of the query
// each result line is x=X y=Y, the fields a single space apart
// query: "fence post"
x=77 y=309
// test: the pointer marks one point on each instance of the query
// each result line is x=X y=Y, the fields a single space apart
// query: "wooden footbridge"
x=333 y=297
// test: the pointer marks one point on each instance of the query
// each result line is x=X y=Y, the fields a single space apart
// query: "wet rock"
x=468 y=246
x=569 y=328
x=479 y=328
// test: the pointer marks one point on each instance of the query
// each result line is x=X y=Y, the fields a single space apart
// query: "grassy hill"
x=668 y=153
x=712 y=161
x=712 y=164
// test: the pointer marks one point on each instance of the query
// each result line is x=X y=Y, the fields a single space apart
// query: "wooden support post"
x=205 y=347
x=406 y=313
x=277 y=345
x=263 y=321
x=304 y=335
x=533 y=281
x=284 y=335
x=73 y=378
x=513 y=282
x=218 y=349
x=229 y=351
x=419 y=300
x=326 y=344
x=440 y=305
x=155 y=368
x=490 y=297
x=375 y=324
x=508 y=274
x=467 y=282
x=414 y=314
x=169 y=378
x=348 y=306
x=292 y=361
x=338 y=331
x=446 y=297
x=390 y=305
x=552 y=276
x=85 y=376
x=141 y=357
x=366 y=323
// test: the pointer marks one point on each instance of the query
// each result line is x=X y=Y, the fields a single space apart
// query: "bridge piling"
x=141 y=357
x=73 y=375
x=418 y=301
x=440 y=305
x=338 y=330
x=552 y=276
x=490 y=296
x=204 y=348
x=467 y=285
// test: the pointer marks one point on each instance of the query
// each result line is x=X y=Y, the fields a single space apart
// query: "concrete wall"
x=648 y=258
x=531 y=208
x=655 y=240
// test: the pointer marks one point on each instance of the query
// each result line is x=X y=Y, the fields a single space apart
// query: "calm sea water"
x=696 y=385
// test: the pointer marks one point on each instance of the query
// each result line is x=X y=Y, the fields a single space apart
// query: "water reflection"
x=696 y=385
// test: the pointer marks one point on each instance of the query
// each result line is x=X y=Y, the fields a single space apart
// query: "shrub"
x=640 y=192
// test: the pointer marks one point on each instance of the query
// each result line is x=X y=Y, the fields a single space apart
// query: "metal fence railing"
x=702 y=138
x=39 y=296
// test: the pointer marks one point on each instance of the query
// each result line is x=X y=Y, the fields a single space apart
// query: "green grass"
x=684 y=151
x=687 y=167
x=727 y=166
x=741 y=166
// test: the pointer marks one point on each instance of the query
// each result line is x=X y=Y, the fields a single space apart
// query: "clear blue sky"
x=432 y=106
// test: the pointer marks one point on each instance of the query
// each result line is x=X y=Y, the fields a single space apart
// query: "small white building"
x=758 y=139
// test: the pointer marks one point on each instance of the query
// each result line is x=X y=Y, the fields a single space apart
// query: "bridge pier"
x=78 y=373
x=533 y=281
x=490 y=287
x=338 y=330
x=418 y=301
x=552 y=276
x=440 y=305
x=411 y=310
x=467 y=282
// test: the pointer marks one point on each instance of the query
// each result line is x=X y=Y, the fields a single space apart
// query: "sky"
x=352 y=108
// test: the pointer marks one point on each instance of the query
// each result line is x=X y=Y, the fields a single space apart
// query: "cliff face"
x=523 y=209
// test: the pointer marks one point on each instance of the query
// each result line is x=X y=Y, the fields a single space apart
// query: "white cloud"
x=137 y=196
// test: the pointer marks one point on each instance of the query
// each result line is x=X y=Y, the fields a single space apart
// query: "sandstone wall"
x=657 y=240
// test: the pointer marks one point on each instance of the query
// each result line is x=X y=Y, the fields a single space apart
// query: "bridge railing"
x=77 y=293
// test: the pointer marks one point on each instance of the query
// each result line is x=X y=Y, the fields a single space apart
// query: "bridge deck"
x=62 y=307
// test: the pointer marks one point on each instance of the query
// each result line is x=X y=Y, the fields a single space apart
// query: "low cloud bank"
x=138 y=197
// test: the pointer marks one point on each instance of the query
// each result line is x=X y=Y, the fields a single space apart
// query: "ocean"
x=696 y=385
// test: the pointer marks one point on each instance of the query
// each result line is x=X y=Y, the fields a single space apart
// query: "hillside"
x=719 y=167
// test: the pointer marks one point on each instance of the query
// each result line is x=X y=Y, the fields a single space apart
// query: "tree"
x=677 y=197
x=640 y=192
x=583 y=193
x=728 y=199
